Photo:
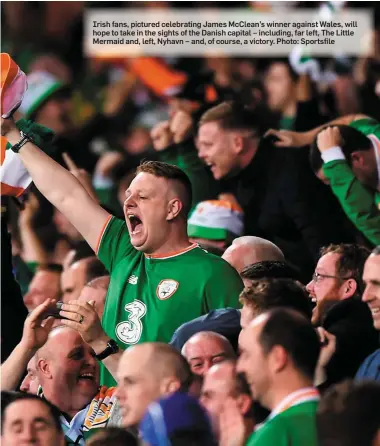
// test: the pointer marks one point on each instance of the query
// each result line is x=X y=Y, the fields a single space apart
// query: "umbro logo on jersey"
x=166 y=288
x=133 y=280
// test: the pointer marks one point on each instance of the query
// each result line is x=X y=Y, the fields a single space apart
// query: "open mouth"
x=136 y=224
x=375 y=311
x=87 y=377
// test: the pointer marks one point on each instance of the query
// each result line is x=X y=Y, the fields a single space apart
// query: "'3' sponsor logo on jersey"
x=130 y=331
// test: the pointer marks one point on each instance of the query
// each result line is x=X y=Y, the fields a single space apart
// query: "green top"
x=361 y=204
x=149 y=297
x=295 y=426
x=287 y=122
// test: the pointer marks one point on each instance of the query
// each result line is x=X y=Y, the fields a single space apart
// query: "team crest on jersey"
x=166 y=288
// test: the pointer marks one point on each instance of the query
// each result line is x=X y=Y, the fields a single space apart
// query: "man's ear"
x=174 y=208
x=357 y=158
x=278 y=358
x=349 y=288
x=244 y=403
x=43 y=367
x=169 y=385
x=237 y=142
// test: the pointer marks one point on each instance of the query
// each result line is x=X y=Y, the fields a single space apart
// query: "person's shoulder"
x=370 y=368
x=300 y=417
x=213 y=261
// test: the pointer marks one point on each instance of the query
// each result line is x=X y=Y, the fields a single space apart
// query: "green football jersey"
x=149 y=297
x=295 y=426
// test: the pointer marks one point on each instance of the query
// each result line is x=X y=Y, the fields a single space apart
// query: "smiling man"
x=159 y=280
x=205 y=349
x=68 y=375
x=370 y=369
x=337 y=288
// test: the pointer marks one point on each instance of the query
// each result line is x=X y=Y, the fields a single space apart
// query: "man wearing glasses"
x=342 y=319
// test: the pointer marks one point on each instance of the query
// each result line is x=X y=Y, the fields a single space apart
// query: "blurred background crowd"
x=274 y=203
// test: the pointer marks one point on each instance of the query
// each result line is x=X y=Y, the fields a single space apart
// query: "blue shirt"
x=370 y=369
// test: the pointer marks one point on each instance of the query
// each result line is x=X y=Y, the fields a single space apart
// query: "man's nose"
x=367 y=295
x=28 y=433
x=130 y=201
x=25 y=385
x=310 y=286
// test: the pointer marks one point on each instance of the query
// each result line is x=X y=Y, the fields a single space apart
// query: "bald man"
x=69 y=376
x=205 y=349
x=147 y=372
x=78 y=274
x=222 y=382
x=31 y=382
x=248 y=250
x=68 y=373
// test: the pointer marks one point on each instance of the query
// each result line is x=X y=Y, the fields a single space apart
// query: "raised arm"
x=288 y=138
x=60 y=187
x=35 y=334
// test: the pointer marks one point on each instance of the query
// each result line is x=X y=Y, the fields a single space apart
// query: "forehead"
x=372 y=267
x=328 y=261
x=249 y=335
x=31 y=365
x=210 y=129
x=278 y=69
x=42 y=278
x=147 y=181
x=204 y=346
x=63 y=340
x=26 y=409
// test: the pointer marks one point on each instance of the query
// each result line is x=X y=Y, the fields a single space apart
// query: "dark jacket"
x=13 y=310
x=284 y=202
x=351 y=322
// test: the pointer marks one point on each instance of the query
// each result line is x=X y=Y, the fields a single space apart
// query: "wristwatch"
x=24 y=139
x=111 y=349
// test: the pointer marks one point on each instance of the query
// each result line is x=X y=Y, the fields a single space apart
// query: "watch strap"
x=111 y=348
x=23 y=140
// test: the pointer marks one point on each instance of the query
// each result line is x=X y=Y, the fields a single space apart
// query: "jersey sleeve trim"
x=102 y=233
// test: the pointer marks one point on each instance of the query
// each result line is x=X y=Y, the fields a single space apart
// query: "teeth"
x=90 y=375
x=130 y=216
x=375 y=310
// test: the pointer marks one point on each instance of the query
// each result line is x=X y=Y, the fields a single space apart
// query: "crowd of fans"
x=197 y=261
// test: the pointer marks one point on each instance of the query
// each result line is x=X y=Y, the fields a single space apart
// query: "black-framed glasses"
x=318 y=277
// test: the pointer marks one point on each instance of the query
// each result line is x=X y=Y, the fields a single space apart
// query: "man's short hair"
x=350 y=263
x=269 y=269
x=94 y=269
x=82 y=251
x=53 y=410
x=173 y=173
x=172 y=358
x=352 y=141
x=292 y=331
x=232 y=115
x=348 y=414
x=265 y=294
x=282 y=60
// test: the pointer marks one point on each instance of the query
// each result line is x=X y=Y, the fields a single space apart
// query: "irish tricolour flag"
x=13 y=175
